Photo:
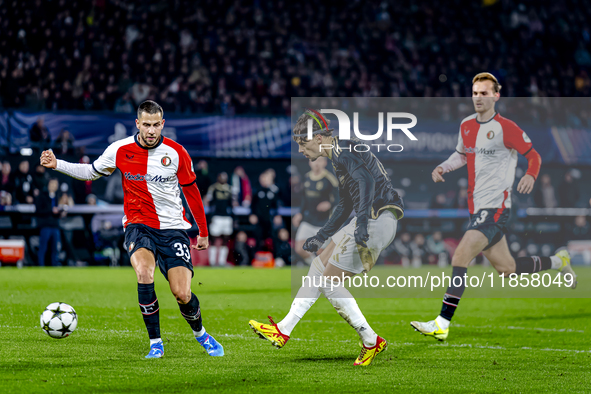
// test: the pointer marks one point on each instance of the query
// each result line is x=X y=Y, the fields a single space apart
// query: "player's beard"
x=150 y=145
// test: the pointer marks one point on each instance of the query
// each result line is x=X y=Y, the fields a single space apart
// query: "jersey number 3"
x=183 y=251
x=481 y=219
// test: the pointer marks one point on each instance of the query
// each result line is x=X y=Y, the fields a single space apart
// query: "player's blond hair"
x=487 y=77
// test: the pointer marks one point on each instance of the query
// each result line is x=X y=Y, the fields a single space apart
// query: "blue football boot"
x=211 y=346
x=156 y=350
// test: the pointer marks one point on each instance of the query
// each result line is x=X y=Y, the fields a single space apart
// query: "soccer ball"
x=59 y=320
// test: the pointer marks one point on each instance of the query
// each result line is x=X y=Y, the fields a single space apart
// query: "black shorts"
x=171 y=248
x=492 y=223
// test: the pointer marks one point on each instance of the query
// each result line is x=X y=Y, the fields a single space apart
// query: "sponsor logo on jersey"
x=490 y=135
x=166 y=161
x=466 y=131
x=526 y=138
x=129 y=156
x=149 y=178
x=480 y=151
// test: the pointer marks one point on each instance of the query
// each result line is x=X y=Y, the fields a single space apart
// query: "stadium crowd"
x=249 y=57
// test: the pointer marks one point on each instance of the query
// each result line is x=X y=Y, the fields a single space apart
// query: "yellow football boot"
x=368 y=354
x=270 y=332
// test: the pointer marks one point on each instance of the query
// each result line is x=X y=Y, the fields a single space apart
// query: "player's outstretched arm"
x=80 y=171
x=455 y=161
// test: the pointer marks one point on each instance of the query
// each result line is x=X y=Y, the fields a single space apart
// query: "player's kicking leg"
x=278 y=334
x=318 y=281
x=144 y=265
x=180 y=285
x=323 y=268
x=346 y=306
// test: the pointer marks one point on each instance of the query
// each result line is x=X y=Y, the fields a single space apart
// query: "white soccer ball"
x=59 y=320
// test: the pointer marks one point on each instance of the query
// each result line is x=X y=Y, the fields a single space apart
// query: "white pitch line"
x=522 y=328
x=253 y=337
x=468 y=345
x=404 y=323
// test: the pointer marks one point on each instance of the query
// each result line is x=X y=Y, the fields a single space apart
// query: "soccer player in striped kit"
x=153 y=167
x=488 y=143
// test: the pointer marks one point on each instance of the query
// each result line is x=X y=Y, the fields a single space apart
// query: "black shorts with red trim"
x=171 y=248
x=492 y=223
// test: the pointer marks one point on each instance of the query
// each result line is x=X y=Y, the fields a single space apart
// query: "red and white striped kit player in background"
x=490 y=150
x=489 y=144
x=152 y=168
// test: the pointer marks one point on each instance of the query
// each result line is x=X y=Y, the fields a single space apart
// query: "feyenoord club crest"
x=490 y=135
x=131 y=245
x=166 y=161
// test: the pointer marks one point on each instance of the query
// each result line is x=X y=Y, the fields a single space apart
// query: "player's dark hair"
x=149 y=107
x=319 y=125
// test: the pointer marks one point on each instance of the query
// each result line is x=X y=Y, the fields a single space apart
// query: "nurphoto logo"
x=345 y=129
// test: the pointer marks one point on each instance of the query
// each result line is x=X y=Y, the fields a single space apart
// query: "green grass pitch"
x=495 y=345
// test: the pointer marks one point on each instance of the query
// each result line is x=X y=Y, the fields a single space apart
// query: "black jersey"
x=318 y=188
x=220 y=199
x=346 y=161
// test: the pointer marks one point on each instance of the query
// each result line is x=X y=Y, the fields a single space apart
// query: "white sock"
x=346 y=306
x=155 y=340
x=213 y=251
x=443 y=322
x=223 y=255
x=199 y=333
x=556 y=262
x=306 y=297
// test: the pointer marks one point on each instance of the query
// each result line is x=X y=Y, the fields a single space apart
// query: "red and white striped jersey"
x=151 y=178
x=491 y=151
